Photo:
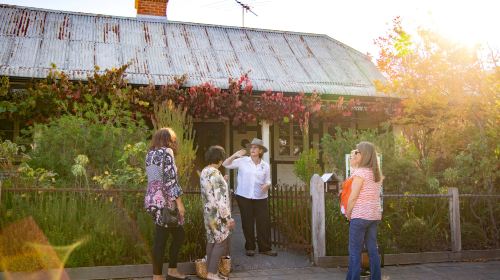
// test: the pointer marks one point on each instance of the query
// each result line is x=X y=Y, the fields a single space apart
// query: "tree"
x=451 y=111
x=448 y=94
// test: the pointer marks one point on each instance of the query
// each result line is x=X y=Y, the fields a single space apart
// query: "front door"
x=207 y=134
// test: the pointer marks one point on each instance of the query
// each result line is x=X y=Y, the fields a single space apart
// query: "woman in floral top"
x=164 y=192
x=216 y=209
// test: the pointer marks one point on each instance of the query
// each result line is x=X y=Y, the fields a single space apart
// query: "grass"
x=116 y=230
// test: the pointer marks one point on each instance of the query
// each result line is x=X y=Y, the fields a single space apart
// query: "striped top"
x=367 y=205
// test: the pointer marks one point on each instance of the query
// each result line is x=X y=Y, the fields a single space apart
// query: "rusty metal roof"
x=32 y=39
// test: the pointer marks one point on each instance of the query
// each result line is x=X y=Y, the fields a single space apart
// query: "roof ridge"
x=159 y=20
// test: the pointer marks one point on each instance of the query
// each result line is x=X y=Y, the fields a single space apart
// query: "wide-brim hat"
x=258 y=142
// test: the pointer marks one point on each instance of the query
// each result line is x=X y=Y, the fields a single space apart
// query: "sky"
x=354 y=22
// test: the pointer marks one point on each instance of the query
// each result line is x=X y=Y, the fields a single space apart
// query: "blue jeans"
x=363 y=232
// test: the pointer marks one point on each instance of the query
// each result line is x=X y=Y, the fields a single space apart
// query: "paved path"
x=241 y=262
x=438 y=271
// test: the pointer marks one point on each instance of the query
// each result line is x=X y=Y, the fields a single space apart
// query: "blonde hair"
x=164 y=137
x=369 y=159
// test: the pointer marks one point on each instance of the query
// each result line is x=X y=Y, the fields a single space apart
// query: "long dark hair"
x=369 y=159
x=164 y=137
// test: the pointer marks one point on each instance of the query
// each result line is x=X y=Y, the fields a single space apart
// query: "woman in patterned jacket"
x=163 y=192
x=216 y=209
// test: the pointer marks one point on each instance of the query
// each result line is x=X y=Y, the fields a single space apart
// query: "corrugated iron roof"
x=32 y=39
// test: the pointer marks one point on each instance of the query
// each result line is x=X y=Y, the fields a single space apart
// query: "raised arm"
x=228 y=163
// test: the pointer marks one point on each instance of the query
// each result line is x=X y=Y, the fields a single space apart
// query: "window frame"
x=290 y=156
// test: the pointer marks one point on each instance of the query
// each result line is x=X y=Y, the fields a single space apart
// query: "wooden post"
x=305 y=133
x=266 y=140
x=456 y=238
x=318 y=217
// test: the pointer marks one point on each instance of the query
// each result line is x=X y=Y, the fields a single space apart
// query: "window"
x=289 y=141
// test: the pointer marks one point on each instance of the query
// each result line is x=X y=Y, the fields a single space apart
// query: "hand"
x=265 y=187
x=180 y=207
x=240 y=153
x=226 y=178
x=348 y=216
x=231 y=224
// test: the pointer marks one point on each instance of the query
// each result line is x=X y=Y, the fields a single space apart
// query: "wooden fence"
x=289 y=209
x=453 y=197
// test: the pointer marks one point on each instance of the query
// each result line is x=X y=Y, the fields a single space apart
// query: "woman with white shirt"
x=254 y=181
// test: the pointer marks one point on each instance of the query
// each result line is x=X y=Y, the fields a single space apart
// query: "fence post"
x=456 y=238
x=318 y=217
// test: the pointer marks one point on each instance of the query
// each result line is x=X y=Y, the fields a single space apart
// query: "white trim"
x=266 y=139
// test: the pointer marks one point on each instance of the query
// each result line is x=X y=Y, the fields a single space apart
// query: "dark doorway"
x=207 y=134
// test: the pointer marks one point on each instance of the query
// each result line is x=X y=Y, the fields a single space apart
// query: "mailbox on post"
x=332 y=182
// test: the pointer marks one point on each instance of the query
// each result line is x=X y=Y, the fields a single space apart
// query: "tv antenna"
x=244 y=8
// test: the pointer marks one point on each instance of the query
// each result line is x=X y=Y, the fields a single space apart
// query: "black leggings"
x=161 y=234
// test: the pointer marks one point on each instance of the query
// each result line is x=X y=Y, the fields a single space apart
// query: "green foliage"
x=38 y=177
x=116 y=229
x=408 y=225
x=130 y=172
x=419 y=224
x=167 y=115
x=414 y=234
x=400 y=165
x=307 y=165
x=337 y=229
x=59 y=142
x=10 y=153
x=79 y=169
x=6 y=105
x=343 y=142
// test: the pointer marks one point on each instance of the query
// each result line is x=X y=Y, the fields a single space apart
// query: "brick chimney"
x=151 y=8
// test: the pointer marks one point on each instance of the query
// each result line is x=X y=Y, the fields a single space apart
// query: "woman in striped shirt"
x=363 y=210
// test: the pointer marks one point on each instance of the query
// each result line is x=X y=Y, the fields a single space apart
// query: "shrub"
x=58 y=143
x=414 y=234
x=115 y=230
x=130 y=173
x=399 y=164
x=167 y=115
x=307 y=165
x=10 y=153
x=39 y=177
